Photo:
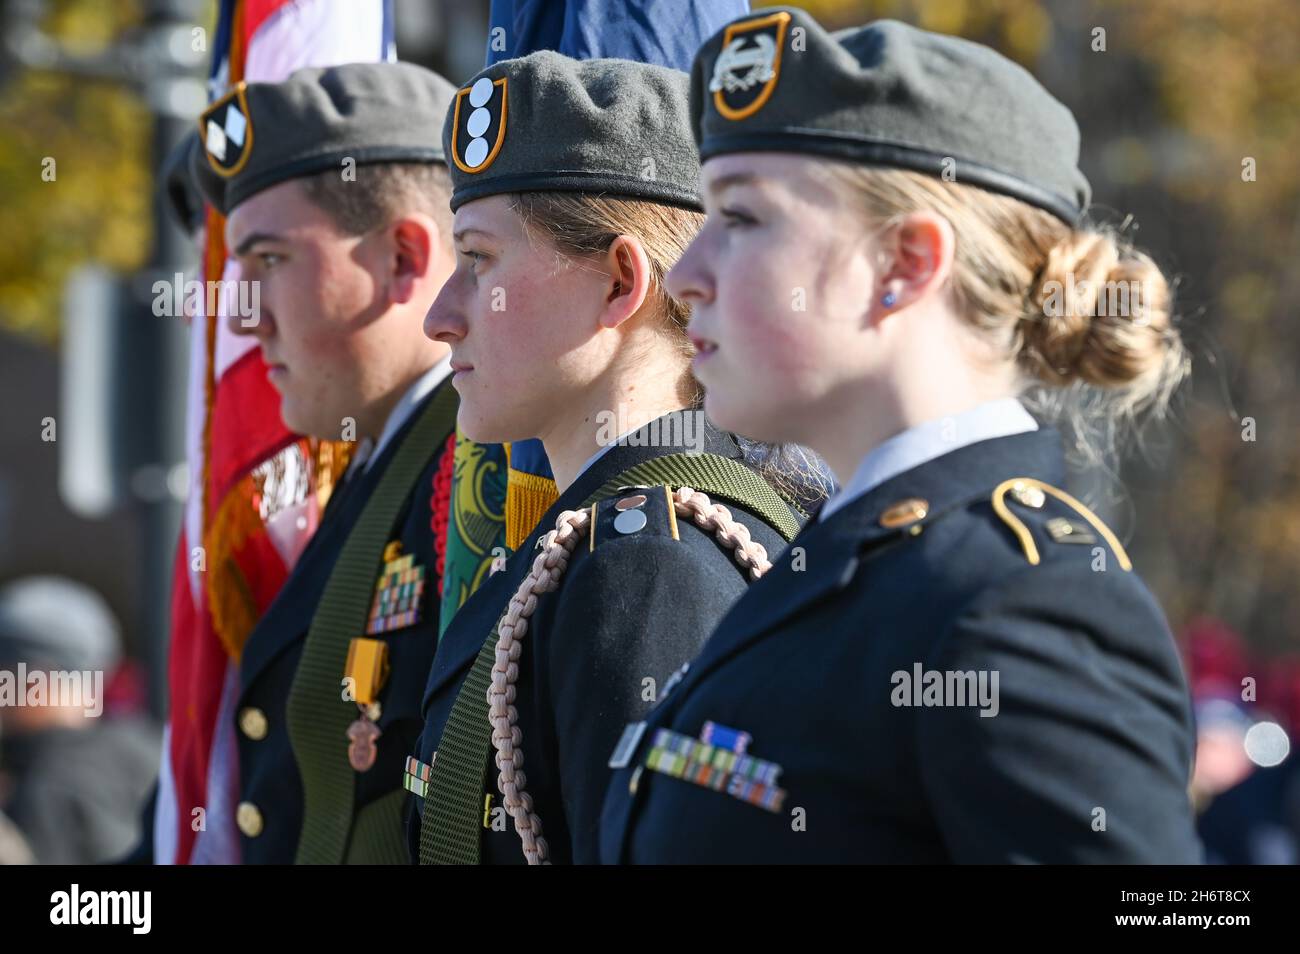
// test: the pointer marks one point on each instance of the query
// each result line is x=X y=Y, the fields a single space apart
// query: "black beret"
x=260 y=134
x=886 y=94
x=549 y=123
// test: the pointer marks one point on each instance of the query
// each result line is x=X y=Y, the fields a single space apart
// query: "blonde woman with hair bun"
x=954 y=662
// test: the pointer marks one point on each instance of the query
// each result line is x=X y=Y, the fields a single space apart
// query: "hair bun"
x=1099 y=313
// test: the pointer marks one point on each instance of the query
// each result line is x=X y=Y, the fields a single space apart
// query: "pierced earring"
x=888 y=299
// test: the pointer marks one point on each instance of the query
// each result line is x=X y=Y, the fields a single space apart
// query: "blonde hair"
x=581 y=224
x=1085 y=316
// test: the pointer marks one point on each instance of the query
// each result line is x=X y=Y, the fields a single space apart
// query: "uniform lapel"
x=290 y=615
x=835 y=551
x=463 y=640
x=465 y=637
x=352 y=477
x=829 y=554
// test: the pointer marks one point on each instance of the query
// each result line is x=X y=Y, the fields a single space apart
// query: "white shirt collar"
x=925 y=442
x=368 y=449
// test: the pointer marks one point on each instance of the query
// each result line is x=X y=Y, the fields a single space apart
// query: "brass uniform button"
x=904 y=512
x=249 y=819
x=1027 y=495
x=252 y=722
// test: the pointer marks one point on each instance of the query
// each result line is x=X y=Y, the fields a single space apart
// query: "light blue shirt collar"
x=925 y=442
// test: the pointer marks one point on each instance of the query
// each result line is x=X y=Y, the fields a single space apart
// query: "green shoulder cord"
x=450 y=828
x=318 y=715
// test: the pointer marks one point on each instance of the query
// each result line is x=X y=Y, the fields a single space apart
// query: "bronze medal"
x=362 y=736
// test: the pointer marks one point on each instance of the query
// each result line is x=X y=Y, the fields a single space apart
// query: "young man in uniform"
x=335 y=192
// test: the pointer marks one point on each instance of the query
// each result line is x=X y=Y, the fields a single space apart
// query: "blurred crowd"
x=73 y=771
x=1246 y=784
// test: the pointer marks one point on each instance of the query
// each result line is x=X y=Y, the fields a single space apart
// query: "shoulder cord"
x=557 y=546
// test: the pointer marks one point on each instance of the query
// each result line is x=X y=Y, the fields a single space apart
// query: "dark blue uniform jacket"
x=628 y=613
x=1080 y=752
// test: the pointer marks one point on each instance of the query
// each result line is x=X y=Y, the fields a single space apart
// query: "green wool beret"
x=886 y=94
x=260 y=134
x=548 y=123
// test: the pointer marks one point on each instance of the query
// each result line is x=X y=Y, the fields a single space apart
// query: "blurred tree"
x=96 y=205
x=1228 y=77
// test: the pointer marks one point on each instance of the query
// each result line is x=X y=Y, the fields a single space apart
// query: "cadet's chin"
x=479 y=427
x=298 y=419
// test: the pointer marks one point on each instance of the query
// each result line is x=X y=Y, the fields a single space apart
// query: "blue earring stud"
x=889 y=299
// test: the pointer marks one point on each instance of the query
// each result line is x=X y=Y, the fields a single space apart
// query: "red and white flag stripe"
x=233 y=424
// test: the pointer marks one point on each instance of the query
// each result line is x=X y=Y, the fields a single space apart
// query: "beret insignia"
x=479 y=125
x=227 y=132
x=748 y=65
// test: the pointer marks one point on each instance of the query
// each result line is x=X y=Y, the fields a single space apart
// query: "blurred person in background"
x=1246 y=785
x=13 y=847
x=71 y=772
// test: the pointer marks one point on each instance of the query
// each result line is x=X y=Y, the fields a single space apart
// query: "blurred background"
x=1190 y=112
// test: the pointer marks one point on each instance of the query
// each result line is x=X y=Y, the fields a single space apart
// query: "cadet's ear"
x=917 y=256
x=628 y=282
x=414 y=240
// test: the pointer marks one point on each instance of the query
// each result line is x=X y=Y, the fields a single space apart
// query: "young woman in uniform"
x=954 y=661
x=575 y=189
